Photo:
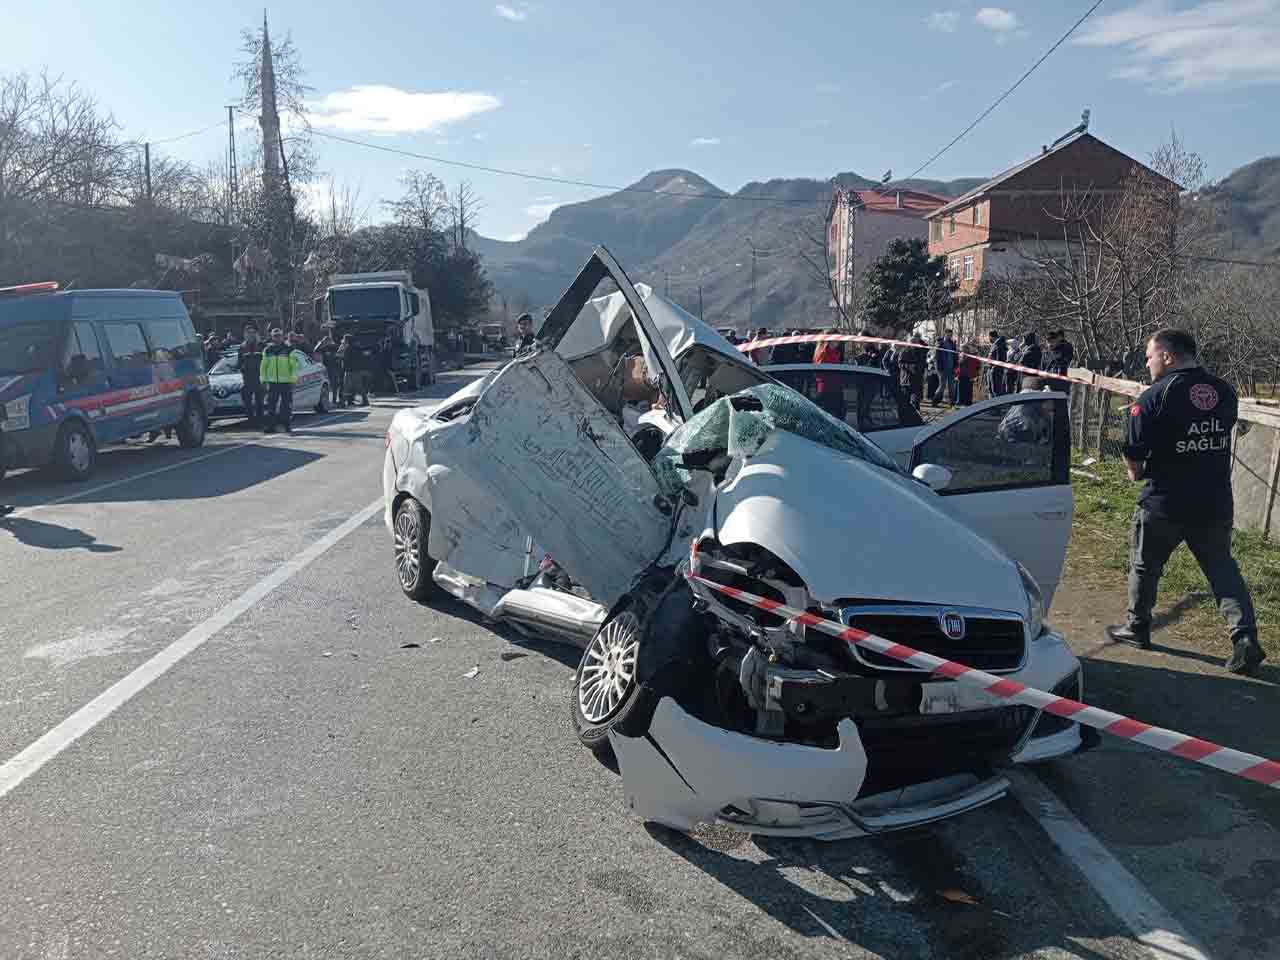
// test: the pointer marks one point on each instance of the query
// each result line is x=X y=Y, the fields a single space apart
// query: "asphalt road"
x=319 y=776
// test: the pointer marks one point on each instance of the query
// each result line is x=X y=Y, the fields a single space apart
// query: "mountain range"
x=680 y=233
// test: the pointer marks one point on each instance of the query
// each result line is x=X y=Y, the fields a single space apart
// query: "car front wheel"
x=411 y=526
x=194 y=424
x=76 y=453
x=604 y=689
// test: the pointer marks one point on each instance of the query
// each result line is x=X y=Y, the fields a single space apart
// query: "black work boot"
x=1245 y=657
x=1139 y=637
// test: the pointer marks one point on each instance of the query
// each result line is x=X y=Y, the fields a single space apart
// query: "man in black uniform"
x=1179 y=441
x=524 y=334
x=5 y=509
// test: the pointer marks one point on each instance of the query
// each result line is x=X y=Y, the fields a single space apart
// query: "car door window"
x=709 y=375
x=82 y=341
x=168 y=340
x=1010 y=445
x=127 y=343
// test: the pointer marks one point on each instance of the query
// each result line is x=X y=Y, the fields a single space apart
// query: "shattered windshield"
x=721 y=428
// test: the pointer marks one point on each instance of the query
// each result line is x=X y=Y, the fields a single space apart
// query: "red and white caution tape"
x=858 y=338
x=1258 y=769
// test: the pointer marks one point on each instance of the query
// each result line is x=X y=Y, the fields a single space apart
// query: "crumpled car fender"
x=683 y=772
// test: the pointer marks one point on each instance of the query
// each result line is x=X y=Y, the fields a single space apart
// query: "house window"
x=935 y=231
x=953 y=268
x=951 y=225
x=968 y=266
x=977 y=216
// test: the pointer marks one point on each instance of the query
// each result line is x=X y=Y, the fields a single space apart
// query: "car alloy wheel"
x=609 y=668
x=408 y=531
x=79 y=453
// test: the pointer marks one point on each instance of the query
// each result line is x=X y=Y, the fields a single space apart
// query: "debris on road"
x=410 y=646
x=434 y=640
x=510 y=655
x=327 y=653
x=472 y=673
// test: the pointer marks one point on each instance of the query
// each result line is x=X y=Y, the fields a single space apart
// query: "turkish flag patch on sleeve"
x=1135 y=410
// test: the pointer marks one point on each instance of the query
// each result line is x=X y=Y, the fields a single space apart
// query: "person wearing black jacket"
x=525 y=339
x=1061 y=353
x=1032 y=356
x=996 y=376
x=251 y=392
x=1178 y=439
x=327 y=352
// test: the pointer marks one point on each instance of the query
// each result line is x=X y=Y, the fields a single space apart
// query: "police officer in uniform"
x=1179 y=441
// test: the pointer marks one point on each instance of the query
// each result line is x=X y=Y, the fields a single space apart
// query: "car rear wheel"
x=76 y=453
x=322 y=406
x=194 y=424
x=411 y=526
x=604 y=688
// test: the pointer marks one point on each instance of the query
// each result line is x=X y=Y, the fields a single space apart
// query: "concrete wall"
x=1253 y=478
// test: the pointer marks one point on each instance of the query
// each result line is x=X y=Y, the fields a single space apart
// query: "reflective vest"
x=279 y=364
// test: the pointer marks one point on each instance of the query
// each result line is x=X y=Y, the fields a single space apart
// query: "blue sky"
x=736 y=92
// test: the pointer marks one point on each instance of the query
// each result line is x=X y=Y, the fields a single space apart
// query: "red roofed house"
x=860 y=223
x=991 y=228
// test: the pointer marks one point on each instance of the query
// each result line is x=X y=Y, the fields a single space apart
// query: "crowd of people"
x=944 y=372
x=269 y=370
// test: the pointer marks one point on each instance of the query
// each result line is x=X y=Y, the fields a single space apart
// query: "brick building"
x=990 y=228
x=860 y=223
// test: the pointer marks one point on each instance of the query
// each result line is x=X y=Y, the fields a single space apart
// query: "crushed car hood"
x=853 y=530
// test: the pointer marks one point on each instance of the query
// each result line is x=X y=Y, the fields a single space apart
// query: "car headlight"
x=1035 y=602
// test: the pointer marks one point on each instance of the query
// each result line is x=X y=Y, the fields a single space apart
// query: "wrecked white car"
x=563 y=493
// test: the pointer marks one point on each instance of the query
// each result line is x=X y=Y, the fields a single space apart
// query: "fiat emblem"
x=952 y=624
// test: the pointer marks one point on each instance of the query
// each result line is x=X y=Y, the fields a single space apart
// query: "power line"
x=1004 y=96
x=187 y=136
x=524 y=175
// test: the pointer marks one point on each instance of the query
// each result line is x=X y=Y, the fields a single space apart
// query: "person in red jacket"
x=828 y=389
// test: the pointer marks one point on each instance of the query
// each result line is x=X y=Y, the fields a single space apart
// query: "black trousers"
x=280 y=403
x=1154 y=538
x=253 y=396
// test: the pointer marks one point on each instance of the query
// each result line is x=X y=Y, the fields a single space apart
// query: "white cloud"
x=705 y=142
x=941 y=88
x=516 y=15
x=997 y=19
x=516 y=237
x=390 y=110
x=944 y=21
x=1211 y=45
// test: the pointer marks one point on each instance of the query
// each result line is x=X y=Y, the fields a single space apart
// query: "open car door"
x=1010 y=463
x=544 y=456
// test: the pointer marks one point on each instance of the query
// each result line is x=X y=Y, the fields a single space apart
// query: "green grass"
x=1103 y=512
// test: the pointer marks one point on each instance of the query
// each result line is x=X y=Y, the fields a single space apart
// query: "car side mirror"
x=78 y=367
x=932 y=475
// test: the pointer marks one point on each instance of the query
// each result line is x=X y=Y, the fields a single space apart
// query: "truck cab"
x=388 y=319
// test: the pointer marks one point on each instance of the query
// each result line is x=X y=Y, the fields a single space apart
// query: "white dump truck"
x=388 y=318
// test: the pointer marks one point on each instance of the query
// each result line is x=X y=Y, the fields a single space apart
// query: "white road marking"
x=26 y=763
x=268 y=438
x=1119 y=889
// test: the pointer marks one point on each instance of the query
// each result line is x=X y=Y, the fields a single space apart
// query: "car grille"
x=994 y=640
x=1051 y=723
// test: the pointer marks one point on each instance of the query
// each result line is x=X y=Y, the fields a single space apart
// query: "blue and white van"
x=84 y=368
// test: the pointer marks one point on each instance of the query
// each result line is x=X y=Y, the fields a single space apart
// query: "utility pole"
x=233 y=167
x=700 y=314
x=751 y=310
x=146 y=161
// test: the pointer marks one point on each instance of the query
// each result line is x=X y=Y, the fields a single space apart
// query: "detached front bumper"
x=682 y=771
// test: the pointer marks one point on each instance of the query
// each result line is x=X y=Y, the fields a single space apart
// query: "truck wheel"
x=75 y=453
x=193 y=425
